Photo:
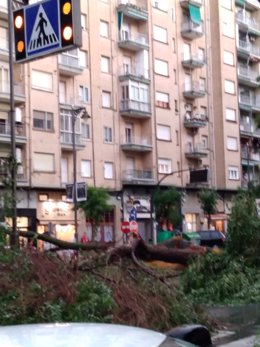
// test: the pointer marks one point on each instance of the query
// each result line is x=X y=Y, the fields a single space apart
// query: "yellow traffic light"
x=66 y=8
x=19 y=34
x=20 y=46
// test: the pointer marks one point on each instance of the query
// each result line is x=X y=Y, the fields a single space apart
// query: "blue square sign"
x=40 y=35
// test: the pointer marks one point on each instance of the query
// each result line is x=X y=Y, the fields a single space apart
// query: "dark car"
x=211 y=238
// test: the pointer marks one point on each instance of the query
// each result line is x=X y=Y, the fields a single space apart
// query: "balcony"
x=191 y=30
x=193 y=62
x=135 y=109
x=136 y=144
x=193 y=90
x=131 y=10
x=134 y=74
x=137 y=177
x=251 y=5
x=5 y=133
x=249 y=102
x=195 y=121
x=248 y=77
x=249 y=129
x=196 y=151
x=66 y=140
x=69 y=65
x=132 y=42
x=247 y=24
x=250 y=156
x=19 y=93
x=186 y=3
x=246 y=49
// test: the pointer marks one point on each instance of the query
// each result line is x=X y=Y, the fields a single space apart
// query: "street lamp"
x=79 y=112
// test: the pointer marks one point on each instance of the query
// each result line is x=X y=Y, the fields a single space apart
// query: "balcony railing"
x=138 y=175
x=5 y=129
x=250 y=101
x=195 y=121
x=133 y=9
x=19 y=91
x=194 y=90
x=250 y=128
x=191 y=30
x=248 y=73
x=69 y=64
x=133 y=41
x=249 y=48
x=66 y=138
x=134 y=143
x=247 y=21
x=250 y=154
x=195 y=151
x=134 y=106
x=193 y=61
x=135 y=73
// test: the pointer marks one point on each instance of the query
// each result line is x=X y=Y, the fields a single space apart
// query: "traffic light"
x=19 y=34
x=70 y=27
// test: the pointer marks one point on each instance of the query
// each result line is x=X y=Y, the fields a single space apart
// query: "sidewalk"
x=250 y=341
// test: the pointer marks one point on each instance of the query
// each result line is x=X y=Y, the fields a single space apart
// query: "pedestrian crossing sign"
x=42 y=29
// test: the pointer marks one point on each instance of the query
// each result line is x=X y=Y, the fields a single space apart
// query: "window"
x=83 y=58
x=163 y=132
x=204 y=140
x=160 y=34
x=106 y=99
x=233 y=173
x=201 y=54
x=160 y=5
x=4 y=38
x=42 y=80
x=85 y=128
x=230 y=114
x=83 y=94
x=62 y=92
x=229 y=87
x=232 y=143
x=164 y=166
x=43 y=162
x=43 y=120
x=162 y=100
x=173 y=45
x=175 y=76
x=161 y=67
x=85 y=168
x=226 y=4
x=176 y=106
x=202 y=82
x=103 y=28
x=228 y=58
x=105 y=63
x=108 y=170
x=83 y=19
x=228 y=29
x=107 y=134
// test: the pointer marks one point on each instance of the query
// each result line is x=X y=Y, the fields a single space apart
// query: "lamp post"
x=76 y=113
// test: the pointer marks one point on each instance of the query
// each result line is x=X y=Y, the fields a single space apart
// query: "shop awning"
x=240 y=2
x=120 y=19
x=195 y=14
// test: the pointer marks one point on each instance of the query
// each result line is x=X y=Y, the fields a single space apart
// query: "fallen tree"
x=138 y=248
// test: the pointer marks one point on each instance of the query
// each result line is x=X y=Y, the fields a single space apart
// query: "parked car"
x=212 y=238
x=85 y=335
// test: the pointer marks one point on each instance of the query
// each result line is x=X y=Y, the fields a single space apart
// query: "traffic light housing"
x=70 y=26
x=19 y=35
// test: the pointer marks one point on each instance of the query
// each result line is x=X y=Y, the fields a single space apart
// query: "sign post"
x=125 y=228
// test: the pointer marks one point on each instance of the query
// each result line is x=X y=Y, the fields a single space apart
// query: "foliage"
x=208 y=200
x=244 y=226
x=222 y=279
x=96 y=205
x=167 y=206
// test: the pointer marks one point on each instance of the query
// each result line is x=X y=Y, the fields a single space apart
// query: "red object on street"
x=134 y=226
x=125 y=227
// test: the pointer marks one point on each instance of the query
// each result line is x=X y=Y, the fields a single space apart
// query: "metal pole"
x=12 y=124
x=74 y=117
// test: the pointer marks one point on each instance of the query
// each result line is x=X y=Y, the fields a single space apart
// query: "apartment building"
x=169 y=86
